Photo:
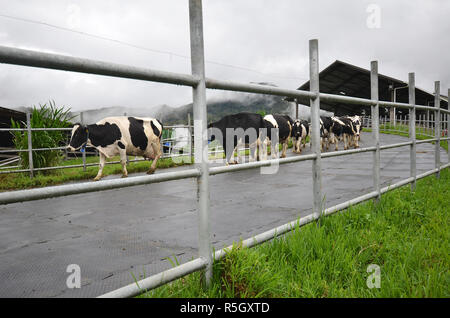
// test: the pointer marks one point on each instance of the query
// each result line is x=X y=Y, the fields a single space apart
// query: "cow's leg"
x=123 y=162
x=157 y=150
x=298 y=145
x=356 y=142
x=264 y=145
x=101 y=165
x=252 y=154
x=345 y=142
x=284 y=149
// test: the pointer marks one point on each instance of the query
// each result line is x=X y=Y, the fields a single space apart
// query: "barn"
x=350 y=80
x=6 y=114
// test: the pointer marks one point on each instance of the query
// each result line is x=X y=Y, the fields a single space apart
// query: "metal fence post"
x=315 y=122
x=448 y=128
x=412 y=128
x=200 y=134
x=437 y=126
x=375 y=109
x=30 y=146
x=189 y=140
x=83 y=153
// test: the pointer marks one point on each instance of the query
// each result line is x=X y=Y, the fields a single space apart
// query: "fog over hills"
x=229 y=103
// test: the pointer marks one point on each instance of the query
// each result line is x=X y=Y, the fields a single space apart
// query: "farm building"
x=350 y=80
x=6 y=114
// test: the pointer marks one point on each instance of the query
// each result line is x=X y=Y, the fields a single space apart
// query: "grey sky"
x=270 y=36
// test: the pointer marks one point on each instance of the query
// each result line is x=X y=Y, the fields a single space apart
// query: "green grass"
x=403 y=130
x=17 y=181
x=407 y=234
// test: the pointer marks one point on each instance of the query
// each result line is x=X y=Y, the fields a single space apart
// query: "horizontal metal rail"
x=37 y=129
x=34 y=149
x=86 y=165
x=61 y=62
x=84 y=187
x=197 y=264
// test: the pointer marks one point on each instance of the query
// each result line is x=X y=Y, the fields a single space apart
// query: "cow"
x=233 y=131
x=348 y=130
x=330 y=130
x=300 y=130
x=284 y=125
x=357 y=126
x=122 y=136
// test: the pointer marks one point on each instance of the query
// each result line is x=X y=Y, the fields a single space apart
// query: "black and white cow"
x=300 y=130
x=357 y=127
x=330 y=131
x=236 y=130
x=122 y=136
x=348 y=130
x=284 y=125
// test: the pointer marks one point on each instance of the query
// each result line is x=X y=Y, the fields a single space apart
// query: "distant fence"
x=202 y=171
x=425 y=125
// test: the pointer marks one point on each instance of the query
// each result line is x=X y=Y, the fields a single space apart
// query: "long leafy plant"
x=45 y=116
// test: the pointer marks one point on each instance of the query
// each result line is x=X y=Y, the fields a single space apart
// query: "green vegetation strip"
x=406 y=234
x=18 y=181
x=402 y=130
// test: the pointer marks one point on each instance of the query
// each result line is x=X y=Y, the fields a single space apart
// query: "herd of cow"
x=137 y=136
x=257 y=132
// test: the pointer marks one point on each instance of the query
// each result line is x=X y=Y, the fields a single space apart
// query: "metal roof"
x=350 y=80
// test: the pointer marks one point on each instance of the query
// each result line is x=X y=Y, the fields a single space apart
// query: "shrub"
x=46 y=116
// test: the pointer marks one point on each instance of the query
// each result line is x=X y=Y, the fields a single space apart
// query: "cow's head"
x=297 y=129
x=78 y=138
x=357 y=126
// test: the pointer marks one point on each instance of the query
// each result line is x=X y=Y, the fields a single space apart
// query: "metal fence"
x=425 y=124
x=172 y=152
x=201 y=170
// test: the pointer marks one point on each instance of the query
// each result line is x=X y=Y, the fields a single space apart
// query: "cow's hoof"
x=97 y=178
x=124 y=176
x=151 y=171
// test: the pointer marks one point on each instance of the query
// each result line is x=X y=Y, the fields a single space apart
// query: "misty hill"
x=91 y=116
x=219 y=108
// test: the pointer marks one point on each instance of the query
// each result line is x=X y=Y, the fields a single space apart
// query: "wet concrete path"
x=118 y=235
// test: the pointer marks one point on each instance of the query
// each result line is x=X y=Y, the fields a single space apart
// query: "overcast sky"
x=269 y=37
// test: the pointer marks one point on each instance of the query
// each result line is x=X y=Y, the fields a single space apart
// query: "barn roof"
x=6 y=114
x=346 y=79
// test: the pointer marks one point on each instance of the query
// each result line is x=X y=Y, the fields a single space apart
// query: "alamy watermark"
x=373 y=20
x=374 y=279
x=73 y=20
x=74 y=279
x=239 y=146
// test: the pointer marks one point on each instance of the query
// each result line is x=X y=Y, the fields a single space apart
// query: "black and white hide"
x=280 y=125
x=121 y=136
x=300 y=130
x=237 y=130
